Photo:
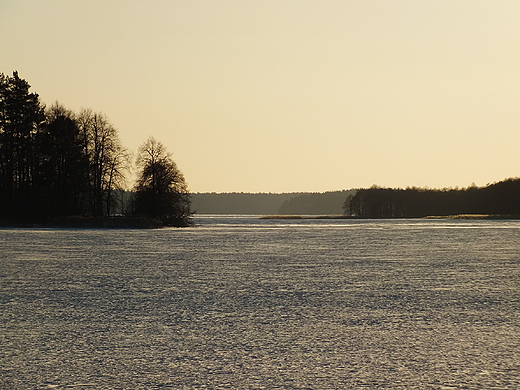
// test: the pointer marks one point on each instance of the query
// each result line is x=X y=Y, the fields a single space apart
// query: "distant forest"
x=266 y=203
x=502 y=198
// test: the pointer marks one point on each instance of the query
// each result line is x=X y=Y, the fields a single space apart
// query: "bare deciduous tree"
x=161 y=191
x=107 y=159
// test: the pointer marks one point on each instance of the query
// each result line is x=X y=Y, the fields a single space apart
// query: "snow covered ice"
x=243 y=303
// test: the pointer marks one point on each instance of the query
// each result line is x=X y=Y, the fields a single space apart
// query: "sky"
x=287 y=95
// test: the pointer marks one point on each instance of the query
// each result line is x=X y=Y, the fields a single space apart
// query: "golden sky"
x=287 y=95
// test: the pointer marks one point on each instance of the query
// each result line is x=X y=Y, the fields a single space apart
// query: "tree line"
x=293 y=203
x=502 y=198
x=58 y=163
x=324 y=203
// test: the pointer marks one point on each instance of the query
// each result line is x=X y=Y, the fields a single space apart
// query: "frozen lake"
x=243 y=303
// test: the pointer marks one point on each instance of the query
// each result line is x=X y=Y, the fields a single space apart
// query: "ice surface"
x=242 y=303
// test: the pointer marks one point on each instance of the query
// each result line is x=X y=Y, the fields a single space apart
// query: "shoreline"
x=474 y=216
x=452 y=217
x=78 y=222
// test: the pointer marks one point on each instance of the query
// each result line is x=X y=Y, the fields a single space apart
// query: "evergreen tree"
x=63 y=164
x=21 y=116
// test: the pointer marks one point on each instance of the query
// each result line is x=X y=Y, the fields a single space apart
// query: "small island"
x=61 y=168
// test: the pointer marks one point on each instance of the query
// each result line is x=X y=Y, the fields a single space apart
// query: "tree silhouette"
x=502 y=198
x=107 y=160
x=64 y=167
x=21 y=114
x=161 y=191
x=55 y=163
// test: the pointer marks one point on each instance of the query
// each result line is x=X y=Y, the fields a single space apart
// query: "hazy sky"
x=287 y=95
